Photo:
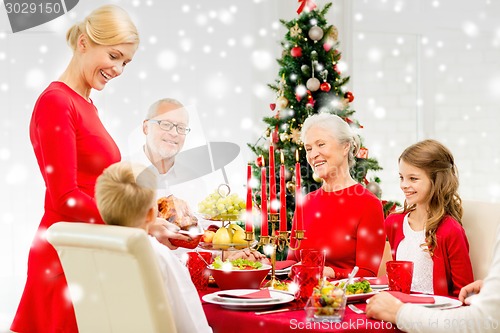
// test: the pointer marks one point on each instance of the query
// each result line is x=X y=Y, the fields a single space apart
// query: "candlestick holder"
x=277 y=241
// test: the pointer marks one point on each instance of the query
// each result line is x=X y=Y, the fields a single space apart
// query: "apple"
x=208 y=236
x=213 y=228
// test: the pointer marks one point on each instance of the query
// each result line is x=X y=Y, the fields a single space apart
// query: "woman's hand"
x=329 y=272
x=383 y=306
x=469 y=290
x=163 y=230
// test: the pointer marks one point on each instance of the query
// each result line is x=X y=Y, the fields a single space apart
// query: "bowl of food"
x=327 y=303
x=238 y=273
x=177 y=211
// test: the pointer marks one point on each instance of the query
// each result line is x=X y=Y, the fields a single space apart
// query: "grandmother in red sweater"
x=342 y=217
x=428 y=231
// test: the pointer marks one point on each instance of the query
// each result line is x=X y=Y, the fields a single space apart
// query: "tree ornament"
x=310 y=105
x=295 y=30
x=333 y=33
x=288 y=174
x=290 y=187
x=374 y=187
x=296 y=52
x=325 y=86
x=327 y=46
x=295 y=136
x=316 y=178
x=259 y=161
x=314 y=55
x=272 y=106
x=281 y=102
x=306 y=70
x=336 y=69
x=313 y=84
x=306 y=5
x=362 y=153
x=315 y=33
x=283 y=137
x=349 y=96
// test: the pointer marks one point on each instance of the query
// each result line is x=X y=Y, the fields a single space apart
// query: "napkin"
x=264 y=293
x=284 y=264
x=405 y=298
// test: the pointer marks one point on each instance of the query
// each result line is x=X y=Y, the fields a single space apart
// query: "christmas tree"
x=309 y=81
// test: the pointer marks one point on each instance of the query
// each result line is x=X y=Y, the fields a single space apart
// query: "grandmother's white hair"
x=338 y=128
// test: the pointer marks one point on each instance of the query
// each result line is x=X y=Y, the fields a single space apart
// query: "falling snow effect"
x=464 y=39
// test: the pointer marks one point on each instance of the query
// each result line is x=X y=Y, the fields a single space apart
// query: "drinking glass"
x=400 y=275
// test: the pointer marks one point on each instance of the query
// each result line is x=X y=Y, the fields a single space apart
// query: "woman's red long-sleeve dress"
x=72 y=148
x=349 y=225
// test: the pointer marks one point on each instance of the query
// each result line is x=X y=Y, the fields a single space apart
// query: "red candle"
x=272 y=181
x=298 y=193
x=263 y=228
x=249 y=224
x=282 y=195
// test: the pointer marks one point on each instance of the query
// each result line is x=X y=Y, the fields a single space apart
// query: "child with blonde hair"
x=126 y=196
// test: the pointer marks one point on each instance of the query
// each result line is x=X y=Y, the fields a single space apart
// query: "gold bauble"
x=316 y=178
x=281 y=102
x=290 y=186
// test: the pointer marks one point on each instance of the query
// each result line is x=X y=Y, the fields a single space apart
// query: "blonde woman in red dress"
x=72 y=148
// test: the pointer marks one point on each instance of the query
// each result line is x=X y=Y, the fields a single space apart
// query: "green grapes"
x=219 y=207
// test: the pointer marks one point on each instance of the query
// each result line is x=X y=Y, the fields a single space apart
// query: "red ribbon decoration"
x=306 y=3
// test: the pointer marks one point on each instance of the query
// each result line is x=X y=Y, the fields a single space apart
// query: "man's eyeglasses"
x=167 y=126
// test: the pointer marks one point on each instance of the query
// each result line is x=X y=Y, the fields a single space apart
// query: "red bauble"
x=349 y=96
x=325 y=86
x=272 y=106
x=296 y=52
x=298 y=97
x=336 y=69
x=327 y=46
x=259 y=161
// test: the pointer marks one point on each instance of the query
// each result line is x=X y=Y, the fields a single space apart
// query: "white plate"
x=236 y=292
x=373 y=286
x=360 y=297
x=454 y=303
x=237 y=304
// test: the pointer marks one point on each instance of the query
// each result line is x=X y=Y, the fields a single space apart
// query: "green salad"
x=237 y=264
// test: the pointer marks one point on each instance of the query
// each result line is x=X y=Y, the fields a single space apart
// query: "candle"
x=249 y=224
x=263 y=227
x=282 y=195
x=298 y=194
x=272 y=181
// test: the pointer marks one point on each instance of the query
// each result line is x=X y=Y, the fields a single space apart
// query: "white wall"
x=219 y=56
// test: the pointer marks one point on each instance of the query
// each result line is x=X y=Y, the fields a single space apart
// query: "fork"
x=355 y=309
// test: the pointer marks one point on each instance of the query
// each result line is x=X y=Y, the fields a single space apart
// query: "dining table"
x=294 y=319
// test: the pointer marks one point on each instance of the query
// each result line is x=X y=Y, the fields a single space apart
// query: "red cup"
x=197 y=263
x=305 y=278
x=399 y=275
x=312 y=257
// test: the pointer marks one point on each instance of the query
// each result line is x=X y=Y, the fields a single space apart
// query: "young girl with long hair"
x=429 y=230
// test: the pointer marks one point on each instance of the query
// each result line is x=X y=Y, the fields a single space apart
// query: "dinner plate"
x=247 y=304
x=360 y=297
x=373 y=286
x=440 y=300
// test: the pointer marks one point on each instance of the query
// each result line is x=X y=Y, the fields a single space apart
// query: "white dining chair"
x=480 y=221
x=113 y=277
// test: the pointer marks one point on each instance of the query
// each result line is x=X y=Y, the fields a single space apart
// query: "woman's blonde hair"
x=106 y=25
x=338 y=128
x=438 y=163
x=124 y=193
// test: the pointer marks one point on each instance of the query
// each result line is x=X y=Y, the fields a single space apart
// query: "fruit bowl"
x=239 y=279
x=195 y=233
x=226 y=247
